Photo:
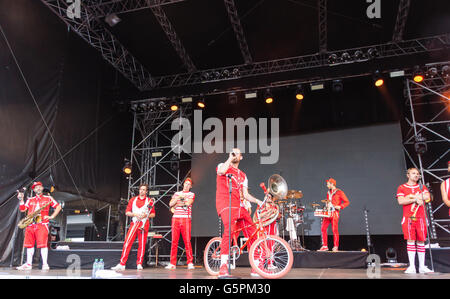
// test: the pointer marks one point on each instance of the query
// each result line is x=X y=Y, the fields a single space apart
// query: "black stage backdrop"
x=76 y=92
x=367 y=163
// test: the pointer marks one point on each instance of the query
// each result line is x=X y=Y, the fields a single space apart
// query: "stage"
x=200 y=273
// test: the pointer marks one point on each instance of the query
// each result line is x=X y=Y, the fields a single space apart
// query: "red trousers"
x=183 y=226
x=334 y=220
x=134 y=230
x=36 y=233
x=240 y=219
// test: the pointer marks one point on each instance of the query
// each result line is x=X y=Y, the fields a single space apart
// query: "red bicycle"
x=270 y=256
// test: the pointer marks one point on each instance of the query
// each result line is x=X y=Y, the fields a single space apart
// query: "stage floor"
x=200 y=273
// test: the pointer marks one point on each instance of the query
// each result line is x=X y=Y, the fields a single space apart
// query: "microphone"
x=229 y=175
x=22 y=190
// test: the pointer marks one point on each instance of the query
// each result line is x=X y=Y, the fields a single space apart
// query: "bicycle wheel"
x=271 y=257
x=211 y=256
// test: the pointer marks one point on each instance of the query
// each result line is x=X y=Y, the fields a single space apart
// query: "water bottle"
x=101 y=265
x=94 y=268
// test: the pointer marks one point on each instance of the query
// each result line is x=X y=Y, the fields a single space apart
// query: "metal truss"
x=93 y=31
x=173 y=37
x=238 y=31
x=103 y=8
x=154 y=157
x=427 y=141
x=400 y=23
x=322 y=25
x=387 y=50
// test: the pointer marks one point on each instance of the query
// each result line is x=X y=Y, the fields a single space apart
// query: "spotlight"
x=127 y=167
x=332 y=59
x=161 y=105
x=372 y=53
x=445 y=71
x=378 y=79
x=432 y=72
x=232 y=98
x=112 y=19
x=299 y=94
x=391 y=255
x=358 y=55
x=420 y=145
x=268 y=97
x=337 y=86
x=251 y=95
x=174 y=107
x=417 y=75
x=201 y=104
x=346 y=57
x=152 y=106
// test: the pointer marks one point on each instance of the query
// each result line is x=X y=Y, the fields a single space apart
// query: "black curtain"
x=61 y=121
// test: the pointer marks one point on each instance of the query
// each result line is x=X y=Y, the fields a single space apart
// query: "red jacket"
x=338 y=198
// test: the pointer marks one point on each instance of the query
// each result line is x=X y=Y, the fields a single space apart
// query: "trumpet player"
x=411 y=196
x=141 y=209
x=182 y=202
x=37 y=232
x=338 y=201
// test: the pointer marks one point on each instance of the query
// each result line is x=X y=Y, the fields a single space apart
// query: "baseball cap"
x=332 y=181
x=35 y=184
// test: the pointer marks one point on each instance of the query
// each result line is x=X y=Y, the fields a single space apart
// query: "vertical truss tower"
x=155 y=157
x=426 y=140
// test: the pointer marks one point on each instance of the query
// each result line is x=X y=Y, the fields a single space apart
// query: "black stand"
x=229 y=176
x=428 y=226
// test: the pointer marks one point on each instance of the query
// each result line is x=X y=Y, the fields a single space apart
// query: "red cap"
x=35 y=184
x=332 y=181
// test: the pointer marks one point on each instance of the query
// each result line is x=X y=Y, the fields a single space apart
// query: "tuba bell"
x=278 y=187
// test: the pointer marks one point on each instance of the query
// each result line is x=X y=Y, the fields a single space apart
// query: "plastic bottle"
x=94 y=269
x=101 y=265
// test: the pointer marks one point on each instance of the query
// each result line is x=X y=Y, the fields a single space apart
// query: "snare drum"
x=322 y=213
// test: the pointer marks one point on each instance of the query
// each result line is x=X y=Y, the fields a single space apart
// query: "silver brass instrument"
x=278 y=190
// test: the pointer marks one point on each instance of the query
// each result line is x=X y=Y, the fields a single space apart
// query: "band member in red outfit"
x=445 y=190
x=412 y=197
x=139 y=209
x=37 y=232
x=182 y=202
x=336 y=201
x=239 y=215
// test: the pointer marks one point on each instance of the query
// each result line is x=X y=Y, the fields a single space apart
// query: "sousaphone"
x=278 y=190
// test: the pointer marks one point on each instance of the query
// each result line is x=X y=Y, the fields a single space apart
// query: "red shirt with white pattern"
x=34 y=203
x=405 y=190
x=184 y=212
x=238 y=181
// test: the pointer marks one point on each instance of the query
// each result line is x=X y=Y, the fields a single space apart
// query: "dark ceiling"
x=273 y=29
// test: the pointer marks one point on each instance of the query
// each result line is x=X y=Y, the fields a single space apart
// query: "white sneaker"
x=411 y=270
x=191 y=266
x=139 y=267
x=170 y=267
x=424 y=269
x=45 y=267
x=24 y=267
x=118 y=267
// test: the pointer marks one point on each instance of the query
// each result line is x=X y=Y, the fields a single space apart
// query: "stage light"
x=394 y=74
x=317 y=86
x=431 y=72
x=358 y=55
x=346 y=57
x=420 y=144
x=332 y=59
x=127 y=167
x=186 y=100
x=232 y=98
x=174 y=107
x=445 y=71
x=417 y=75
x=268 y=97
x=299 y=94
x=378 y=79
x=372 y=53
x=337 y=86
x=112 y=19
x=201 y=104
x=161 y=105
x=391 y=255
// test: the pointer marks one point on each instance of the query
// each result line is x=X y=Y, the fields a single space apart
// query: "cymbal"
x=291 y=194
x=324 y=200
x=315 y=205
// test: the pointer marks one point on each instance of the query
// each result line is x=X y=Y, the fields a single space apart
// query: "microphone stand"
x=229 y=176
x=428 y=228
